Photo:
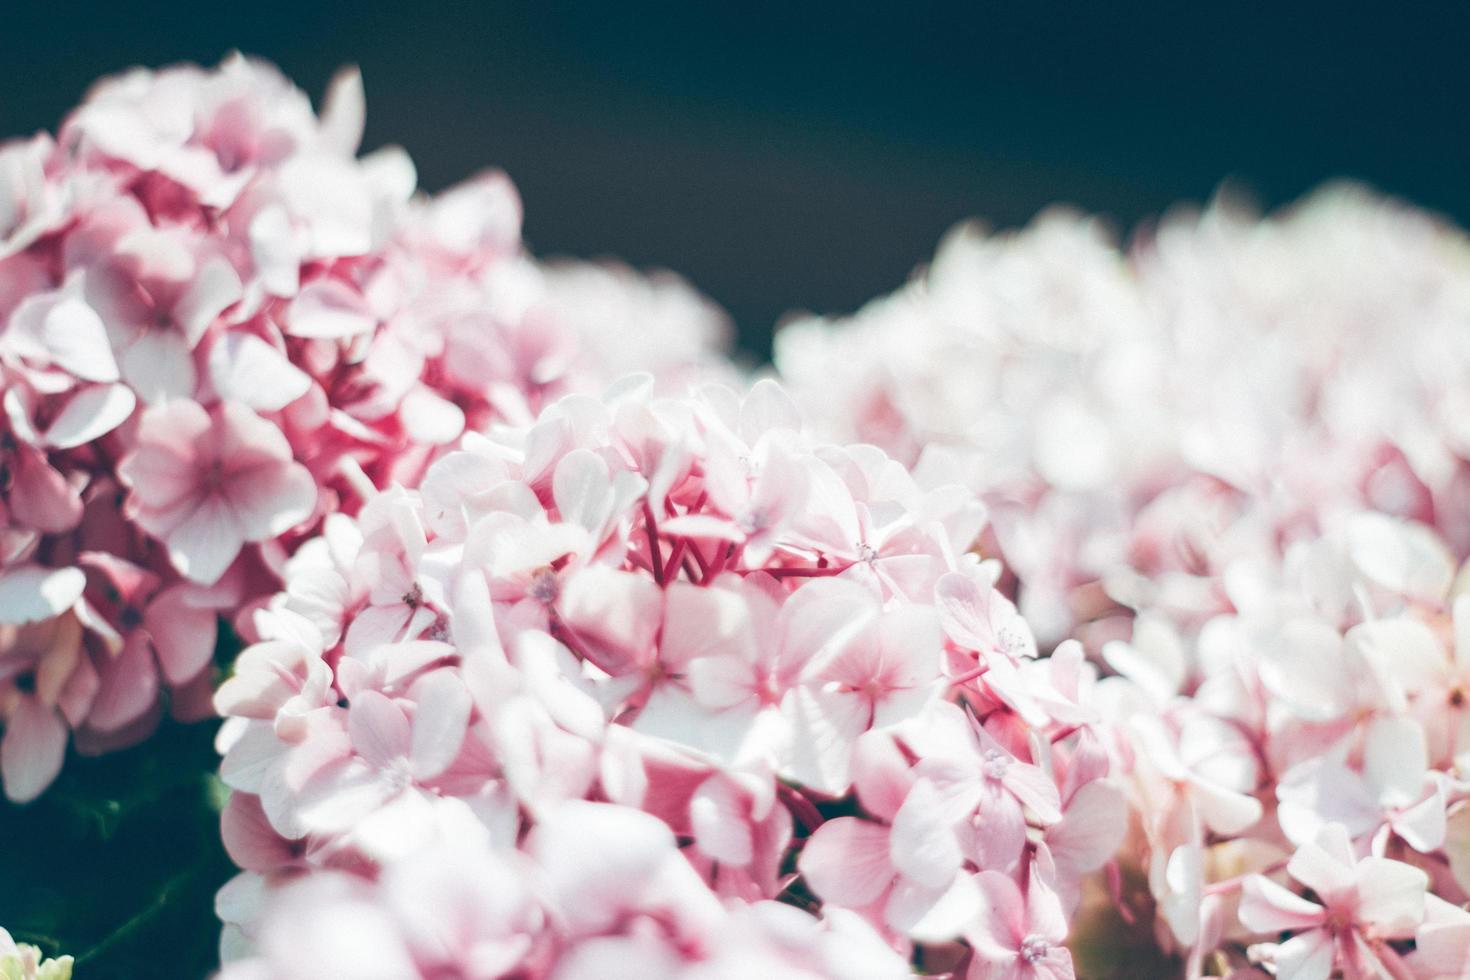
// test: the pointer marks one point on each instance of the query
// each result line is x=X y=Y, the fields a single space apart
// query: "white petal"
x=29 y=593
x=330 y=310
x=89 y=415
x=439 y=723
x=246 y=369
x=206 y=542
x=32 y=750
x=77 y=341
x=159 y=365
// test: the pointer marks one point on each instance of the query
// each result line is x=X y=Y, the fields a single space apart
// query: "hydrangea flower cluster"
x=1230 y=462
x=1300 y=764
x=658 y=686
x=217 y=325
x=1116 y=597
x=1138 y=421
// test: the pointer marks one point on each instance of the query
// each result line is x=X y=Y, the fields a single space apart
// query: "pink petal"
x=40 y=496
x=343 y=112
x=1092 y=829
x=1390 y=896
x=821 y=617
x=216 y=286
x=703 y=622
x=330 y=310
x=160 y=477
x=1326 y=864
x=767 y=408
x=881 y=774
x=271 y=498
x=720 y=818
x=159 y=366
x=964 y=611
x=183 y=635
x=582 y=488
x=206 y=542
x=997 y=932
x=1267 y=907
x=1308 y=956
x=1395 y=760
x=250 y=840
x=32 y=750
x=341 y=795
x=244 y=440
x=846 y=862
x=617 y=613
x=129 y=686
x=89 y=415
x=1044 y=914
x=924 y=845
x=248 y=370
x=379 y=728
x=1423 y=825
x=439 y=722
x=1223 y=810
x=1035 y=789
x=77 y=341
x=824 y=725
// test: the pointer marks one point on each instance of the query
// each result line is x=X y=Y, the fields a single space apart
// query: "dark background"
x=781 y=156
x=790 y=155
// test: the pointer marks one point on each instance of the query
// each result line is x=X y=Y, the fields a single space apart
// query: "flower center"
x=1033 y=948
x=399 y=774
x=1010 y=639
x=544 y=587
x=753 y=520
x=213 y=476
x=996 y=764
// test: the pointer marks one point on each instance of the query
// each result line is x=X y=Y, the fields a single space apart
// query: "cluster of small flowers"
x=1232 y=462
x=1137 y=421
x=658 y=686
x=217 y=324
x=1319 y=730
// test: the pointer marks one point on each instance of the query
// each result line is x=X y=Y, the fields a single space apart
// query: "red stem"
x=970 y=675
x=655 y=553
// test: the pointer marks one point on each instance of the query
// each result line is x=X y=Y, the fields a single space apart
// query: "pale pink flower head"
x=573 y=628
x=219 y=324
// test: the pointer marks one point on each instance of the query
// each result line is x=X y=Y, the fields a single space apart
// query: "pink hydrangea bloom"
x=219 y=324
x=618 y=602
x=1139 y=420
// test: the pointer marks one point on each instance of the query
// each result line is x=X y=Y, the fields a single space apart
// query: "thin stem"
x=1231 y=884
x=655 y=553
x=1067 y=732
x=699 y=559
x=803 y=572
x=970 y=675
x=676 y=558
x=133 y=924
x=802 y=808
